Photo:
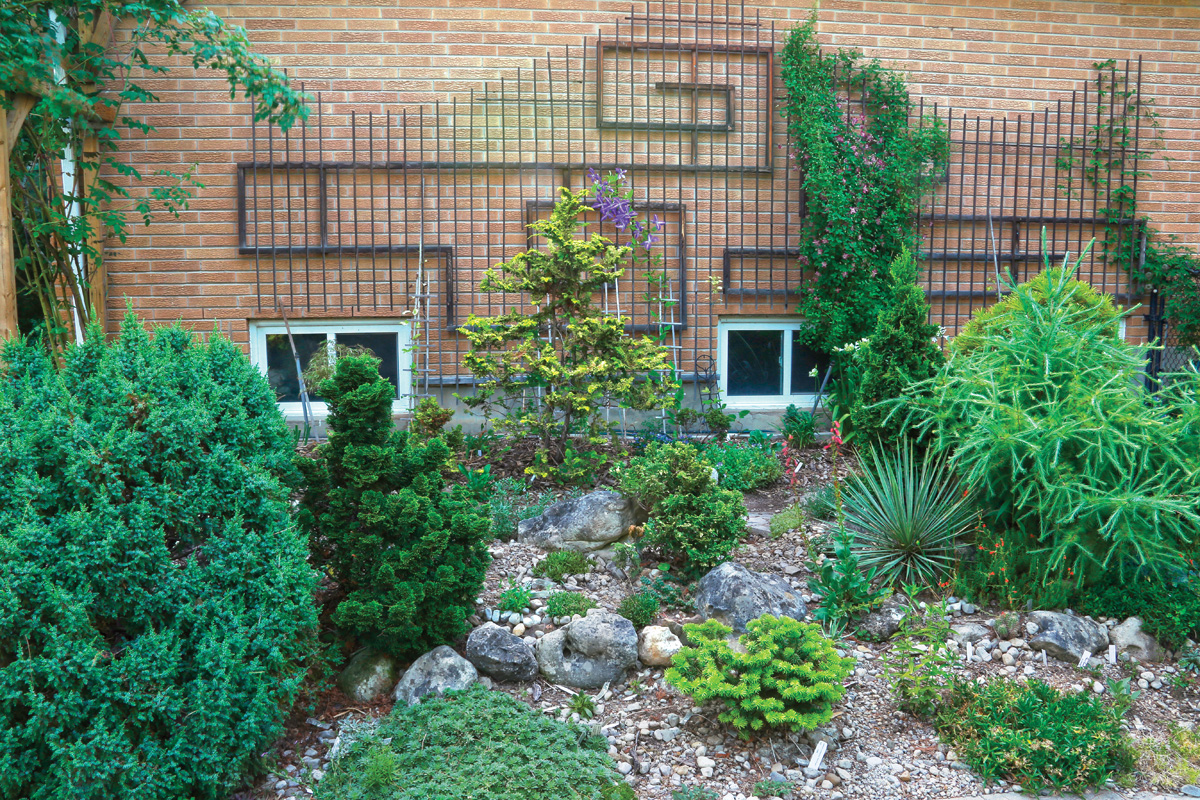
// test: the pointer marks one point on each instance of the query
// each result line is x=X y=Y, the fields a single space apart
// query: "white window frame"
x=753 y=402
x=260 y=329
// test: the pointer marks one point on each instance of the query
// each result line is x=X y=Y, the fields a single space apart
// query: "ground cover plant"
x=568 y=604
x=640 y=608
x=408 y=556
x=788 y=676
x=1033 y=735
x=1079 y=472
x=476 y=744
x=744 y=467
x=156 y=615
x=560 y=564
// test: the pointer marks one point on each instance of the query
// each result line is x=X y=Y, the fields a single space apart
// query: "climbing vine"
x=1128 y=130
x=71 y=187
x=864 y=170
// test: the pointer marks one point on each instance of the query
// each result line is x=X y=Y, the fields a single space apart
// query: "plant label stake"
x=970 y=651
x=818 y=755
x=1112 y=654
x=1083 y=660
x=1044 y=657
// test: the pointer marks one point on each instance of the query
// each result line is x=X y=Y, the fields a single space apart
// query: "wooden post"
x=8 y=266
x=9 y=131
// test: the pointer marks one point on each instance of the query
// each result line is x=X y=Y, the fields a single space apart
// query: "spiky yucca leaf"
x=909 y=512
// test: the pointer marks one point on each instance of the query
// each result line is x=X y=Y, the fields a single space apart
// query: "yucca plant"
x=909 y=512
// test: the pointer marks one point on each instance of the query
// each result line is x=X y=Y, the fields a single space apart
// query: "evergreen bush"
x=901 y=350
x=691 y=518
x=1081 y=472
x=409 y=556
x=786 y=675
x=156 y=611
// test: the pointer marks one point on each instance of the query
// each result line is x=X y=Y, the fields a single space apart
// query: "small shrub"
x=563 y=339
x=695 y=793
x=690 y=517
x=429 y=418
x=514 y=598
x=702 y=529
x=799 y=428
x=640 y=608
x=584 y=705
x=909 y=513
x=560 y=564
x=568 y=604
x=664 y=470
x=156 y=611
x=820 y=504
x=1087 y=306
x=1169 y=612
x=476 y=744
x=773 y=789
x=666 y=588
x=744 y=467
x=845 y=590
x=788 y=677
x=920 y=667
x=902 y=350
x=790 y=519
x=409 y=556
x=1033 y=735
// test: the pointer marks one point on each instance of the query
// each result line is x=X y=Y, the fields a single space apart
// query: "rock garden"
x=968 y=570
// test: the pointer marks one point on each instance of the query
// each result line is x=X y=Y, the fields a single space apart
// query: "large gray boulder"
x=883 y=623
x=438 y=671
x=588 y=652
x=1130 y=637
x=734 y=595
x=1065 y=636
x=497 y=652
x=587 y=524
x=368 y=676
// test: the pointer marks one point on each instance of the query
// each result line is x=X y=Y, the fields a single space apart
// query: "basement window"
x=271 y=351
x=764 y=365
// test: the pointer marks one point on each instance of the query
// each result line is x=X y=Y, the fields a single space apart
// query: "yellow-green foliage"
x=566 y=346
x=999 y=318
x=789 y=676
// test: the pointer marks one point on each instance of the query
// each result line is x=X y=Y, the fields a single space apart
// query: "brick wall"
x=1002 y=59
